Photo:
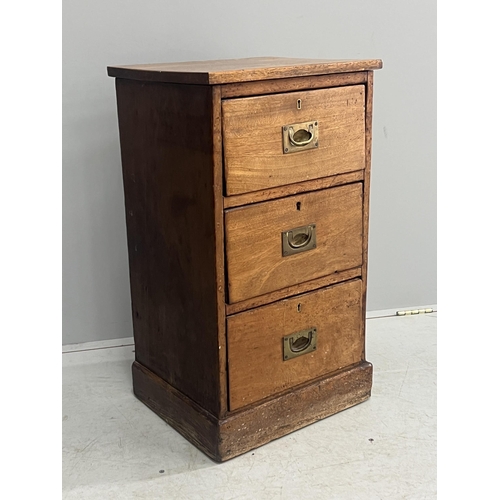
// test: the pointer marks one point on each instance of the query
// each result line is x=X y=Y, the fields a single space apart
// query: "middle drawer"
x=280 y=243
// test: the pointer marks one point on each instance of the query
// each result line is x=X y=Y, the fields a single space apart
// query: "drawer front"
x=257 y=368
x=255 y=241
x=253 y=137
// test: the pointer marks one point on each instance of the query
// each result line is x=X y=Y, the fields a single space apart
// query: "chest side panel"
x=167 y=159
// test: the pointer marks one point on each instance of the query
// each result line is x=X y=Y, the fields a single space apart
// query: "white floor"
x=116 y=448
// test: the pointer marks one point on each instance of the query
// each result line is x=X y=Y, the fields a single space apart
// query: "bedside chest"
x=246 y=193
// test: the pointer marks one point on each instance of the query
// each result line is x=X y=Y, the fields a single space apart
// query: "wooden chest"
x=246 y=192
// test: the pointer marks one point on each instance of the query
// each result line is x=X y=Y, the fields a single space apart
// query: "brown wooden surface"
x=239 y=70
x=171 y=140
x=170 y=205
x=255 y=342
x=219 y=244
x=366 y=194
x=293 y=290
x=253 y=427
x=246 y=89
x=300 y=187
x=182 y=413
x=255 y=265
x=258 y=424
x=253 y=142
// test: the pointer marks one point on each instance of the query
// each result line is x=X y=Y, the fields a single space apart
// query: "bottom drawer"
x=330 y=317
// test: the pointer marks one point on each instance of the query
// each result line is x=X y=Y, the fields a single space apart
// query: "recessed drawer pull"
x=300 y=136
x=298 y=240
x=299 y=343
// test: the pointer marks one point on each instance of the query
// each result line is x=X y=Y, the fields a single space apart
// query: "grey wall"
x=97 y=33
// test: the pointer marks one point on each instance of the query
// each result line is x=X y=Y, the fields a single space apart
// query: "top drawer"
x=253 y=137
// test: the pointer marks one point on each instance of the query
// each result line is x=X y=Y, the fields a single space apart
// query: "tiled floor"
x=116 y=448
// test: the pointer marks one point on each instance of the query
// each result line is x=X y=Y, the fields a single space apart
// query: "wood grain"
x=255 y=341
x=247 y=89
x=253 y=426
x=239 y=70
x=366 y=194
x=255 y=265
x=293 y=290
x=299 y=187
x=208 y=192
x=253 y=143
x=218 y=188
x=169 y=183
x=188 y=418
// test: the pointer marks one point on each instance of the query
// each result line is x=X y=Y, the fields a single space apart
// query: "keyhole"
x=298 y=205
x=299 y=104
x=299 y=307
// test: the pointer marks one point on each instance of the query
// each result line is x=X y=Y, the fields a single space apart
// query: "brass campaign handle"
x=301 y=133
x=299 y=239
x=299 y=343
x=298 y=137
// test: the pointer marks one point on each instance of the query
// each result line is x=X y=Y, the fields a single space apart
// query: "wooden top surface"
x=240 y=70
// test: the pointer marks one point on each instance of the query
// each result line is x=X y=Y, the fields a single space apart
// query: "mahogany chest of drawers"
x=246 y=191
